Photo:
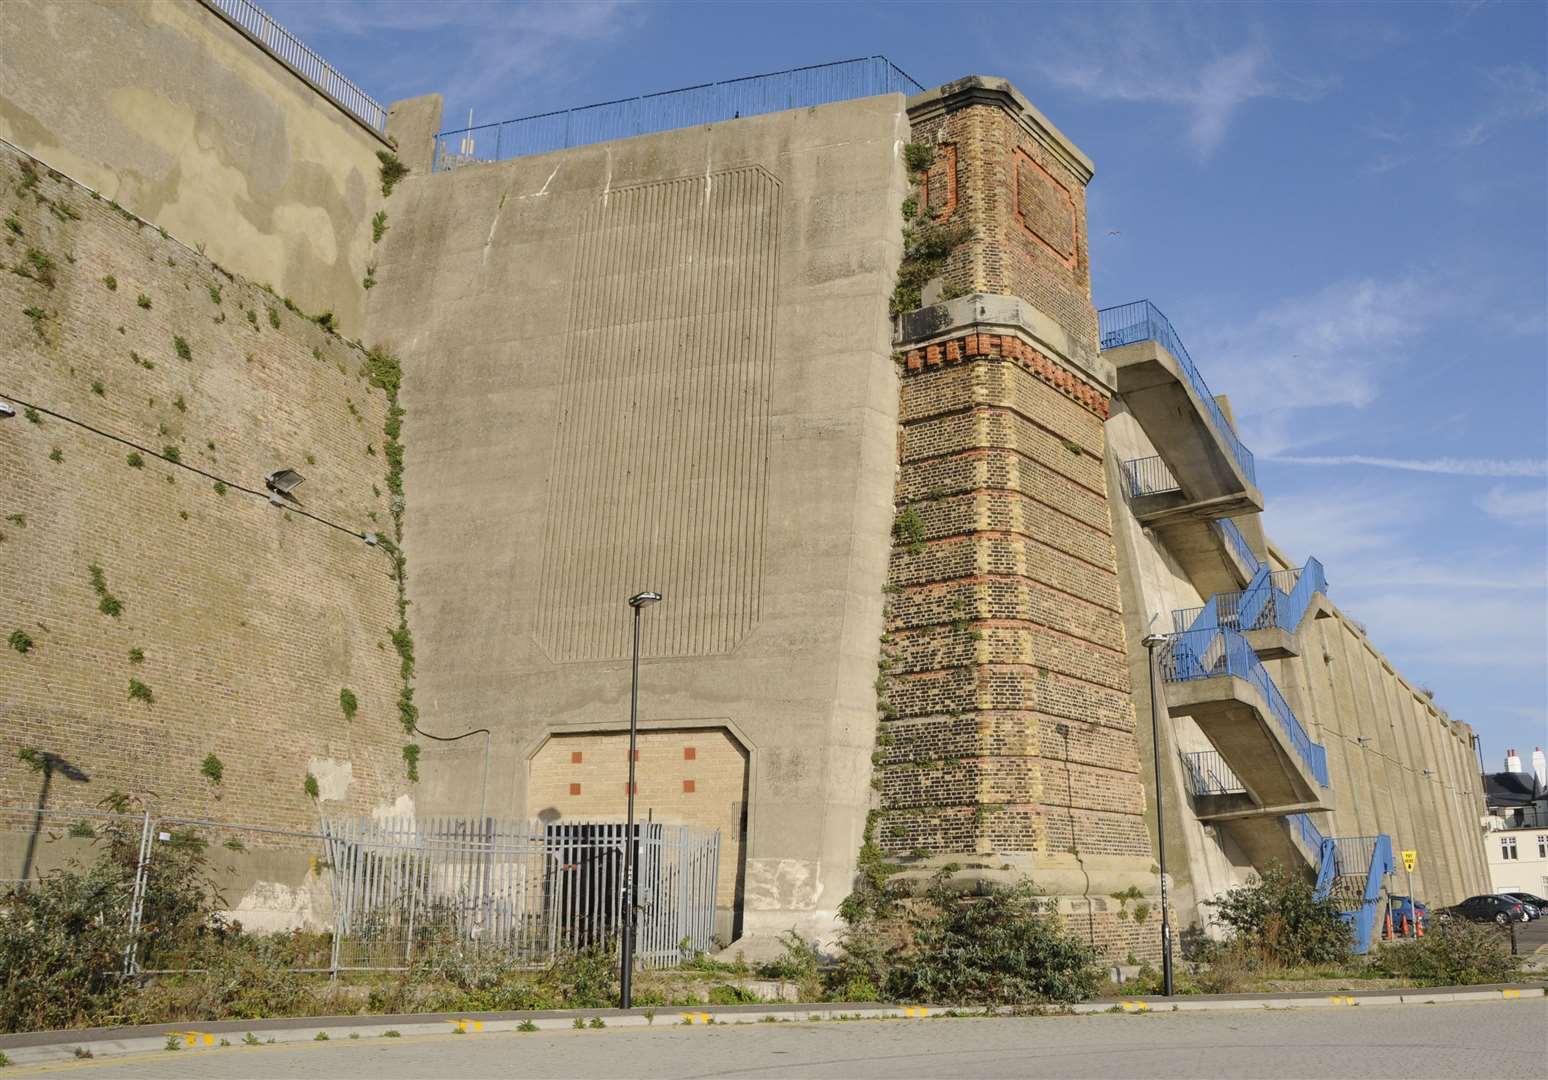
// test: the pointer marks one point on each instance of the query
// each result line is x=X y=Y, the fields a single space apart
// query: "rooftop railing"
x=284 y=45
x=1205 y=654
x=707 y=103
x=1275 y=600
x=1143 y=321
x=1208 y=774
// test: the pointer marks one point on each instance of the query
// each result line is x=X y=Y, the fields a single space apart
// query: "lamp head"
x=7 y=410
x=639 y=600
x=1151 y=641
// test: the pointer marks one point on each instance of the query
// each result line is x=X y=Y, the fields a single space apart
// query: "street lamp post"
x=1151 y=641
x=626 y=960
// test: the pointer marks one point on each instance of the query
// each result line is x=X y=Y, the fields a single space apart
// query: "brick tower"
x=1007 y=744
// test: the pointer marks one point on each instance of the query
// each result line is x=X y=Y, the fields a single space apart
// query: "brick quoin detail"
x=972 y=346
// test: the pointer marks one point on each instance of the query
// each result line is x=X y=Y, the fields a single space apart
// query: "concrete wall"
x=245 y=621
x=164 y=107
x=660 y=363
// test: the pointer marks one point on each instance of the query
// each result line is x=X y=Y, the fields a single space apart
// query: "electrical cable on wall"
x=231 y=484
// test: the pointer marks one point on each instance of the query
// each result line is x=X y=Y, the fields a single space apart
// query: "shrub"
x=180 y=346
x=135 y=460
x=309 y=786
x=63 y=938
x=213 y=768
x=392 y=170
x=1281 y=922
x=994 y=948
x=143 y=300
x=909 y=529
x=20 y=641
x=138 y=691
x=111 y=282
x=171 y=453
x=411 y=761
x=800 y=964
x=918 y=156
x=348 y=703
x=378 y=226
x=1454 y=953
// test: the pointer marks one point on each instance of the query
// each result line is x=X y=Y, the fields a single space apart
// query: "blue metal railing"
x=1148 y=476
x=285 y=46
x=708 y=103
x=1272 y=600
x=1143 y=321
x=1366 y=860
x=1235 y=540
x=1205 y=654
x=1208 y=774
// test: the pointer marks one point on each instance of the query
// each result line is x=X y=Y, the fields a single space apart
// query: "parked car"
x=1536 y=906
x=1489 y=907
x=1402 y=909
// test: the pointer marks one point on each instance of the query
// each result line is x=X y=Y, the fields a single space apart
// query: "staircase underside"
x=1234 y=716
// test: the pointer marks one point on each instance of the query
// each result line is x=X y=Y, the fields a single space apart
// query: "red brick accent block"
x=576 y=757
x=575 y=789
x=688 y=787
x=1009 y=347
x=690 y=753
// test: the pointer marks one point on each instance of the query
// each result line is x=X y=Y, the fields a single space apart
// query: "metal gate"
x=531 y=890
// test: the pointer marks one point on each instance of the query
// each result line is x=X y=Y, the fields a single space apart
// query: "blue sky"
x=1342 y=208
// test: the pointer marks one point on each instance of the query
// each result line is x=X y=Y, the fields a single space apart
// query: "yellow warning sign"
x=1409 y=858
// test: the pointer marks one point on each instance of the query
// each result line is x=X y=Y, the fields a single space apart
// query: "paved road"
x=1503 y=1039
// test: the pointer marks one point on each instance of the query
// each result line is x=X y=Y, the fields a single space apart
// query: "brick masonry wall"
x=249 y=619
x=1027 y=209
x=685 y=777
x=1007 y=726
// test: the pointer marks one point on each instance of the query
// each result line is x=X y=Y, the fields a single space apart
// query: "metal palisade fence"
x=531 y=891
x=377 y=892
x=707 y=103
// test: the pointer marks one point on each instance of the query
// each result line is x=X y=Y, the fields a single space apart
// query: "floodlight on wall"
x=7 y=410
x=282 y=484
x=370 y=539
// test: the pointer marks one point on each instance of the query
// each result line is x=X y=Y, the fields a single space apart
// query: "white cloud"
x=1326 y=348
x=470 y=51
x=1516 y=92
x=1169 y=56
x=1446 y=466
x=1518 y=506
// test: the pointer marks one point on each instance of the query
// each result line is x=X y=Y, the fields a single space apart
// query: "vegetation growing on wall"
x=927 y=242
x=385 y=372
x=392 y=170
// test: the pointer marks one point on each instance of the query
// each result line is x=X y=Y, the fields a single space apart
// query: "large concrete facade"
x=664 y=364
x=907 y=571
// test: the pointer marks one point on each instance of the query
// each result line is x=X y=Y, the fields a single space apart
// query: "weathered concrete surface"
x=164 y=107
x=660 y=363
x=1160 y=395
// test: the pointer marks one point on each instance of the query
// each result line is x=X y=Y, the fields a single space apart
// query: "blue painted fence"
x=1143 y=321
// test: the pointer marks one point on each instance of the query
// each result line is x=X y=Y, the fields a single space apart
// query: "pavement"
x=1452 y=1036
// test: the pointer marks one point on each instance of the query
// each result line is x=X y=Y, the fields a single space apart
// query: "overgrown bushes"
x=997 y=947
x=1453 y=953
x=1280 y=922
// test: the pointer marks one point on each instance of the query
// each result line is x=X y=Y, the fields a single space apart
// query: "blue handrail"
x=1368 y=857
x=1235 y=540
x=708 y=103
x=1205 y=654
x=1272 y=600
x=1143 y=321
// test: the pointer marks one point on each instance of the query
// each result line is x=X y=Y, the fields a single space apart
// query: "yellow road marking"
x=1136 y=1006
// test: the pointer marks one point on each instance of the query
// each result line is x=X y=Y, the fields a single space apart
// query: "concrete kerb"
x=47 y=1047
